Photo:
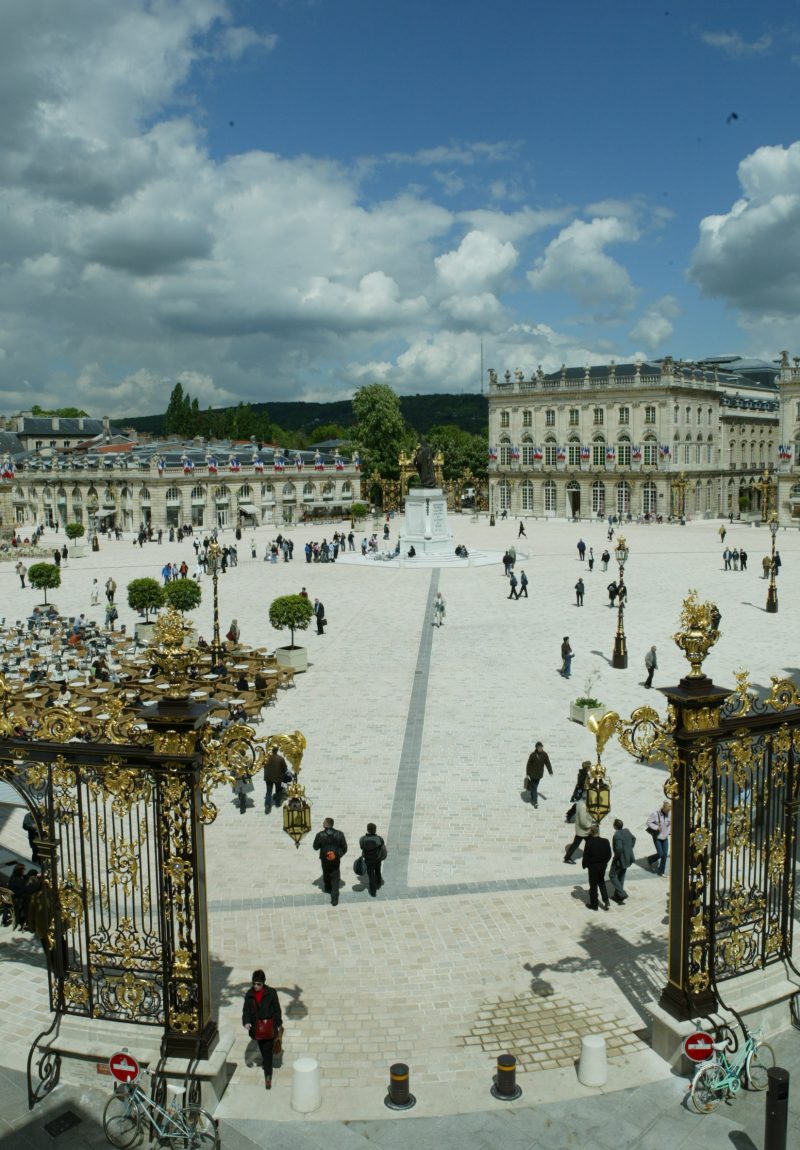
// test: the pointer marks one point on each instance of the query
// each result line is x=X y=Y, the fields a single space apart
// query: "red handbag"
x=264 y=1029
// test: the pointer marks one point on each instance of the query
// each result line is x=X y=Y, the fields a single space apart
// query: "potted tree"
x=184 y=595
x=44 y=576
x=582 y=709
x=75 y=531
x=294 y=612
x=146 y=595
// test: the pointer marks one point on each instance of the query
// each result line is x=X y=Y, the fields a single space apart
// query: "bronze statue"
x=423 y=461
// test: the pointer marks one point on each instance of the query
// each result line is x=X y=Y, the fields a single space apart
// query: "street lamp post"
x=772 y=592
x=214 y=554
x=620 y=657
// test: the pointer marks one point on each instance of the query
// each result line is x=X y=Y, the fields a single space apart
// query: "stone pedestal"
x=425 y=525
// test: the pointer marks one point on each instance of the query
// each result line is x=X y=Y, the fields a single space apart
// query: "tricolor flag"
x=357 y=461
x=318 y=464
x=298 y=461
x=492 y=455
x=338 y=463
x=611 y=453
x=233 y=464
x=636 y=454
x=188 y=465
x=212 y=465
x=537 y=455
x=561 y=454
x=515 y=454
x=278 y=463
x=664 y=451
x=586 y=454
x=8 y=468
x=161 y=464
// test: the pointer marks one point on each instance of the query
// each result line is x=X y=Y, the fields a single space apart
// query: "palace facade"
x=647 y=438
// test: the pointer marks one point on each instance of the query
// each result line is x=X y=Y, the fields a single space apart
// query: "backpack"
x=332 y=852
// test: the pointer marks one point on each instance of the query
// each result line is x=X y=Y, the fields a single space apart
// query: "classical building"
x=53 y=433
x=169 y=484
x=653 y=438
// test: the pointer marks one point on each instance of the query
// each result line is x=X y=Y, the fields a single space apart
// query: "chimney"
x=80 y=423
x=56 y=423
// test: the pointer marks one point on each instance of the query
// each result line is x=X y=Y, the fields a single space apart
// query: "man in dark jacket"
x=596 y=857
x=373 y=848
x=332 y=845
x=538 y=760
x=622 y=844
x=275 y=771
x=319 y=611
x=261 y=1005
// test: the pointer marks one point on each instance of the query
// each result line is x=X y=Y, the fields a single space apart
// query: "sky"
x=287 y=199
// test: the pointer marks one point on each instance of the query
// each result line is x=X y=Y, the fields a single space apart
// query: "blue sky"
x=289 y=198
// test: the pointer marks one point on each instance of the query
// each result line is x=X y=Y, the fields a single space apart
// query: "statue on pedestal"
x=423 y=461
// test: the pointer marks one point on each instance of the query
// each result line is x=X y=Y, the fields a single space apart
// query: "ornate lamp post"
x=772 y=592
x=765 y=487
x=214 y=555
x=619 y=658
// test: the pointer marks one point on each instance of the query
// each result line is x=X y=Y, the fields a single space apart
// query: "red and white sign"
x=699 y=1047
x=124 y=1067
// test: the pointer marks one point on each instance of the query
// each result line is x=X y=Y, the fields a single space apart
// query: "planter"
x=190 y=637
x=583 y=714
x=144 y=632
x=77 y=551
x=295 y=658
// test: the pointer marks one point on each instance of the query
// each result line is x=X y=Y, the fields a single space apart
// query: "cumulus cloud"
x=234 y=42
x=749 y=256
x=480 y=259
x=655 y=325
x=576 y=262
x=734 y=45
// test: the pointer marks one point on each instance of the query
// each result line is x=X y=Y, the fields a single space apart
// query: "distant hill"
x=422 y=412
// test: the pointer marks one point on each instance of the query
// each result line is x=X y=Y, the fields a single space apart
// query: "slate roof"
x=43 y=425
x=10 y=445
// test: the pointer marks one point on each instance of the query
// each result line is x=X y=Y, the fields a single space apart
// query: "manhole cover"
x=63 y=1122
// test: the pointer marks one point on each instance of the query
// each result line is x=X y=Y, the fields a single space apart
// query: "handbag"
x=264 y=1029
x=277 y=1046
x=360 y=866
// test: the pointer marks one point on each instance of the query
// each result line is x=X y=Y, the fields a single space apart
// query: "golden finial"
x=170 y=655
x=698 y=634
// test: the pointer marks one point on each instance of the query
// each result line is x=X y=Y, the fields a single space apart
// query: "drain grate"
x=62 y=1123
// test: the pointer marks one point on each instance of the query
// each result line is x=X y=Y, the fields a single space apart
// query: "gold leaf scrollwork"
x=698 y=634
x=123 y=865
x=76 y=992
x=700 y=718
x=70 y=900
x=174 y=742
x=777 y=856
x=784 y=694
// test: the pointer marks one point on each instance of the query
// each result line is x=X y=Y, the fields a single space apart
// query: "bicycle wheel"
x=122 y=1123
x=707 y=1088
x=201 y=1131
x=757 y=1065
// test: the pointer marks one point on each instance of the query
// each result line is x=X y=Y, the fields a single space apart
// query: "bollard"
x=399 y=1097
x=592 y=1069
x=777 y=1111
x=504 y=1086
x=306 y=1092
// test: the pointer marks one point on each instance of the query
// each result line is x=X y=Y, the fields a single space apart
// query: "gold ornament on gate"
x=698 y=634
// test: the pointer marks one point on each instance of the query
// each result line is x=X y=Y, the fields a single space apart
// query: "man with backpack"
x=332 y=845
x=373 y=850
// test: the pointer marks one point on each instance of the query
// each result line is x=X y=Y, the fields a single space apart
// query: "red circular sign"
x=699 y=1046
x=123 y=1066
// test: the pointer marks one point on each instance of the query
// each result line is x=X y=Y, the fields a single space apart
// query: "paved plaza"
x=480 y=941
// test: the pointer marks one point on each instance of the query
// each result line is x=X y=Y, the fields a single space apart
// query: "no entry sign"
x=699 y=1046
x=123 y=1066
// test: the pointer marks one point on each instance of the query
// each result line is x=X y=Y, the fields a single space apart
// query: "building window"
x=697 y=454
x=650 y=415
x=527 y=418
x=624 y=415
x=649 y=498
x=527 y=453
x=623 y=498
x=574 y=452
x=504 y=490
x=598 y=498
x=527 y=495
x=650 y=454
x=599 y=453
x=549 y=495
x=710 y=415
x=599 y=415
x=574 y=416
x=687 y=454
x=38 y=444
x=550 y=417
x=699 y=416
x=624 y=452
x=505 y=419
x=688 y=415
x=675 y=413
x=550 y=453
x=52 y=443
x=505 y=452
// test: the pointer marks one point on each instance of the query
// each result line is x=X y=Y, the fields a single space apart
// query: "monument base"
x=425 y=527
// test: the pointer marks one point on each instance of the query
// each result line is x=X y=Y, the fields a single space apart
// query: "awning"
x=106 y=513
x=247 y=509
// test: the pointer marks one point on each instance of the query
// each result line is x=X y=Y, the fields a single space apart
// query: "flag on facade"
x=278 y=463
x=537 y=455
x=515 y=454
x=611 y=454
x=233 y=464
x=318 y=464
x=357 y=461
x=212 y=465
x=161 y=464
x=188 y=465
x=637 y=455
x=258 y=464
x=586 y=454
x=8 y=468
x=493 y=455
x=339 y=463
x=298 y=461
x=664 y=451
x=561 y=455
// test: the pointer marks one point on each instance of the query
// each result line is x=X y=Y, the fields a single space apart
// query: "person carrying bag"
x=373 y=851
x=261 y=1015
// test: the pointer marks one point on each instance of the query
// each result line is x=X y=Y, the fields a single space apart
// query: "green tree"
x=461 y=450
x=75 y=530
x=325 y=431
x=175 y=414
x=146 y=595
x=183 y=594
x=292 y=611
x=380 y=432
x=44 y=576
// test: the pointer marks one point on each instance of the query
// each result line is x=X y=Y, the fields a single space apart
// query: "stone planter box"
x=144 y=632
x=76 y=550
x=583 y=714
x=295 y=658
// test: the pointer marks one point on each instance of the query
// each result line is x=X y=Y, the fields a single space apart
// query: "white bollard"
x=306 y=1091
x=592 y=1068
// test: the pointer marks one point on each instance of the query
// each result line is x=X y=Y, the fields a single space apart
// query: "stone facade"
x=644 y=438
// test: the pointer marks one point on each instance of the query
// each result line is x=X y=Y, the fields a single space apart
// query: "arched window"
x=761 y=453
x=347 y=489
x=289 y=493
x=709 y=494
x=144 y=495
x=221 y=494
x=598 y=451
x=505 y=419
x=550 y=452
x=308 y=492
x=267 y=493
x=574 y=451
x=504 y=494
x=505 y=451
x=329 y=490
x=173 y=495
x=527 y=451
x=623 y=498
x=198 y=495
x=698 y=497
x=650 y=453
x=687 y=450
x=598 y=497
x=77 y=497
x=244 y=493
x=624 y=451
x=649 y=498
x=698 y=449
x=527 y=495
x=752 y=451
x=710 y=449
x=549 y=495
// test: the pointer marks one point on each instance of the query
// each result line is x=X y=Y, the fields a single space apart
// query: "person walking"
x=591 y=559
x=776 y=566
x=579 y=590
x=578 y=789
x=513 y=593
x=439 y=610
x=111 y=589
x=583 y=823
x=319 y=612
x=332 y=847
x=605 y=559
x=234 y=634
x=373 y=851
x=742 y=559
x=521 y=533
x=581 y=550
x=596 y=857
x=726 y=559
x=651 y=663
x=735 y=559
x=622 y=845
x=262 y=1018
x=658 y=827
x=22 y=571
x=612 y=589
x=566 y=657
x=766 y=564
x=523 y=583
x=94 y=598
x=275 y=771
x=538 y=762
x=722 y=533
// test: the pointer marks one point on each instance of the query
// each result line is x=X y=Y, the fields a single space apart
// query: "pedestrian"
x=581 y=550
x=566 y=657
x=373 y=851
x=261 y=1016
x=651 y=663
x=94 y=598
x=742 y=559
x=658 y=827
x=319 y=612
x=332 y=847
x=439 y=610
x=31 y=828
x=579 y=589
x=57 y=557
x=776 y=566
x=726 y=559
x=578 y=789
x=22 y=571
x=605 y=559
x=591 y=559
x=111 y=615
x=596 y=857
x=275 y=771
x=513 y=593
x=538 y=761
x=234 y=634
x=722 y=533
x=583 y=823
x=766 y=564
x=612 y=589
x=610 y=535
x=521 y=533
x=735 y=559
x=523 y=584
x=622 y=594
x=111 y=589
x=65 y=554
x=622 y=845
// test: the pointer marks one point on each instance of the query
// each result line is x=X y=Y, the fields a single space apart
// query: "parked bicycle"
x=130 y=1114
x=722 y=1076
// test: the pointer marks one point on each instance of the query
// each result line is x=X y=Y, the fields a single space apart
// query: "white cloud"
x=479 y=260
x=732 y=44
x=655 y=326
x=576 y=262
x=234 y=42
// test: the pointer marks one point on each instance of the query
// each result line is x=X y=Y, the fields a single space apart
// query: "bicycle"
x=129 y=1114
x=721 y=1077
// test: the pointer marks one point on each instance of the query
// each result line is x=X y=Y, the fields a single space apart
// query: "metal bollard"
x=777 y=1110
x=504 y=1086
x=399 y=1097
